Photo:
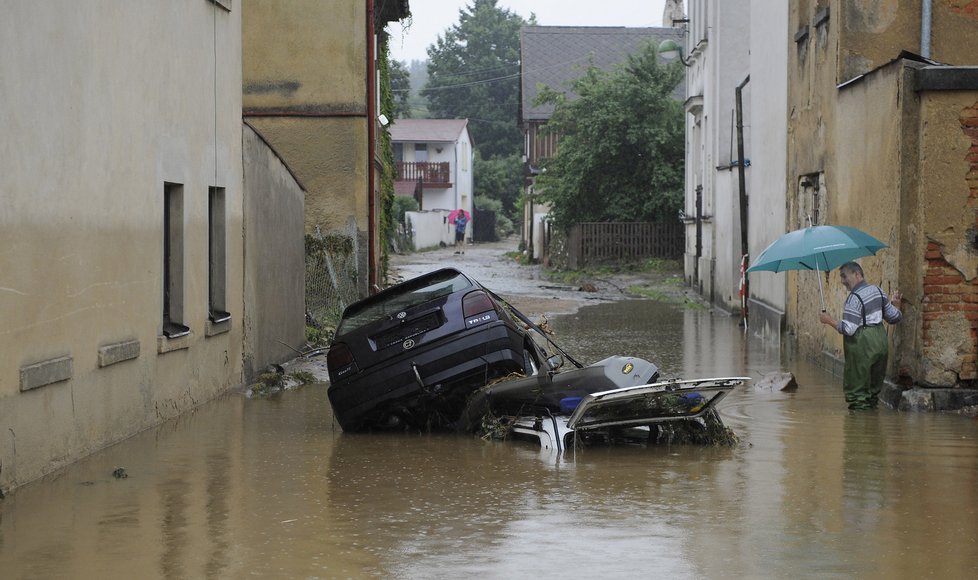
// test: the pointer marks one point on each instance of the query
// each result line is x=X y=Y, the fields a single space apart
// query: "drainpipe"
x=925 y=26
x=699 y=238
x=371 y=150
x=741 y=171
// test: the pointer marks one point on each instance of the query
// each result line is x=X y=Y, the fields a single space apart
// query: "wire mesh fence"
x=332 y=277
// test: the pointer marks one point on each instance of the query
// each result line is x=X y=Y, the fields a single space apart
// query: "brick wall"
x=947 y=295
x=949 y=298
x=967 y=8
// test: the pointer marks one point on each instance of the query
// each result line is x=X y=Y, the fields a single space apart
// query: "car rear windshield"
x=401 y=298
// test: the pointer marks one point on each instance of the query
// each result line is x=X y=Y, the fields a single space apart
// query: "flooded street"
x=271 y=488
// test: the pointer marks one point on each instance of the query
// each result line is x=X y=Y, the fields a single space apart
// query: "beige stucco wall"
x=305 y=92
x=274 y=311
x=305 y=55
x=103 y=103
x=864 y=189
x=948 y=212
x=947 y=215
x=329 y=157
x=850 y=139
x=874 y=32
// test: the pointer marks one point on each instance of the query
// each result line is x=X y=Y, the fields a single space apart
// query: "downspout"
x=741 y=177
x=925 y=26
x=373 y=287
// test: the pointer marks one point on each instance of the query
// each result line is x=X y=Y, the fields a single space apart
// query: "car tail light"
x=340 y=361
x=475 y=303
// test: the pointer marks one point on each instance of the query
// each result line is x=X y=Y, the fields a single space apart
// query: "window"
x=217 y=255
x=465 y=156
x=173 y=326
x=420 y=152
x=399 y=152
x=811 y=202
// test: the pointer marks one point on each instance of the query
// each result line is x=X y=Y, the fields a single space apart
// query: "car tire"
x=529 y=363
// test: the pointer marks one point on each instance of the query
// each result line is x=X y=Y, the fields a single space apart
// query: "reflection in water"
x=173 y=493
x=272 y=488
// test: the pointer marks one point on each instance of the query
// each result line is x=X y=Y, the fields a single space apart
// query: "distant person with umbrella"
x=460 y=218
x=864 y=341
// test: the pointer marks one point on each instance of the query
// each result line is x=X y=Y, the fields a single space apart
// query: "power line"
x=516 y=75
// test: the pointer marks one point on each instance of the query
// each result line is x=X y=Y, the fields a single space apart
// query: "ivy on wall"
x=385 y=153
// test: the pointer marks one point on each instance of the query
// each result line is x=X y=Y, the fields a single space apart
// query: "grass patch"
x=652 y=294
x=650 y=265
x=317 y=337
x=578 y=276
x=659 y=265
x=520 y=258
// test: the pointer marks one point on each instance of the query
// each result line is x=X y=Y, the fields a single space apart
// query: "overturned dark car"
x=442 y=352
x=411 y=355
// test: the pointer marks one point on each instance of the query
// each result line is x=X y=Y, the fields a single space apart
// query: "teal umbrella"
x=821 y=248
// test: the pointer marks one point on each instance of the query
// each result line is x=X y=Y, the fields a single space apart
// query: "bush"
x=403 y=204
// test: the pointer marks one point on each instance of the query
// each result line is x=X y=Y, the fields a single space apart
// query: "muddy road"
x=528 y=288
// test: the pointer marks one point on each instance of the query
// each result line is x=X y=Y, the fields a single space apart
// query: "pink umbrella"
x=452 y=215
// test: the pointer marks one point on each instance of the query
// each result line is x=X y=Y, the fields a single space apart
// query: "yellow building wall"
x=328 y=155
x=305 y=92
x=305 y=56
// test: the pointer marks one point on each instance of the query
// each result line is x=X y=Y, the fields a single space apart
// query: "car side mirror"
x=555 y=362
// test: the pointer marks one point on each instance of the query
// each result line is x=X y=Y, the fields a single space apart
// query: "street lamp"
x=669 y=49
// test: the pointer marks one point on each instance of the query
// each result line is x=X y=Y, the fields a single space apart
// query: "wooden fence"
x=594 y=243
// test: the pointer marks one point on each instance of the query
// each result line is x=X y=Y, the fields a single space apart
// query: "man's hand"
x=897 y=299
x=826 y=318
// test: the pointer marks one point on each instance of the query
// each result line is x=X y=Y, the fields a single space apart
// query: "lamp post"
x=669 y=49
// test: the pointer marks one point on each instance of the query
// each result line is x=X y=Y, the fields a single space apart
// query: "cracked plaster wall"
x=949 y=304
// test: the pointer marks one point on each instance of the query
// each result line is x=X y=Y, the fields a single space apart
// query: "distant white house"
x=434 y=165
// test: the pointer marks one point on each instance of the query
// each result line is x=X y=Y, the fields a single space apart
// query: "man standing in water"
x=864 y=341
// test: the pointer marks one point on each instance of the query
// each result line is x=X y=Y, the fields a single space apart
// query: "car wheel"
x=529 y=362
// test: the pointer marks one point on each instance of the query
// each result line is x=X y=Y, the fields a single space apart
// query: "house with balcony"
x=434 y=159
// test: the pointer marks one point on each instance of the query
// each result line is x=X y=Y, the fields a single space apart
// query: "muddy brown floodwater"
x=271 y=488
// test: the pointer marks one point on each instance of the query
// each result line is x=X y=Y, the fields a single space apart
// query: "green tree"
x=500 y=178
x=621 y=153
x=473 y=73
x=400 y=80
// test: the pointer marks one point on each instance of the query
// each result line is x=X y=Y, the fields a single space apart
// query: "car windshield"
x=401 y=298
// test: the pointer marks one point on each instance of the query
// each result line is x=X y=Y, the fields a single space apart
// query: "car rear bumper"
x=449 y=371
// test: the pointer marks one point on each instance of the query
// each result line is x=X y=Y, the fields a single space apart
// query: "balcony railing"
x=430 y=173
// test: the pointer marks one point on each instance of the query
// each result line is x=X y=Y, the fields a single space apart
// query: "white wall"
x=464 y=175
x=430 y=229
x=768 y=155
x=729 y=59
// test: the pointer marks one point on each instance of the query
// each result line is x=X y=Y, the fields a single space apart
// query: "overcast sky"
x=432 y=17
